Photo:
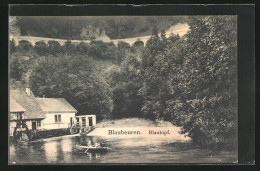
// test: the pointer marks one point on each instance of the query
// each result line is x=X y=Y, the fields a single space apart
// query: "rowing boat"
x=93 y=148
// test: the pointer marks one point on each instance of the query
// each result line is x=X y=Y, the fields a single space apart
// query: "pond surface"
x=136 y=149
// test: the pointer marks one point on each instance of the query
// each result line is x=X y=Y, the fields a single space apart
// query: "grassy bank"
x=132 y=122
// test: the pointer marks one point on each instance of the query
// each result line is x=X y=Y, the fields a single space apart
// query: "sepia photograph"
x=123 y=89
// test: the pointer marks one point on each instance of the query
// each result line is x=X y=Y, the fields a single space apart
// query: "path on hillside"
x=180 y=28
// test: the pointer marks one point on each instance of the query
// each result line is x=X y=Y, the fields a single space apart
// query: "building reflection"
x=50 y=149
x=12 y=152
x=66 y=148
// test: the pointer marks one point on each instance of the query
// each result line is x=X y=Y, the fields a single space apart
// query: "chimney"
x=27 y=83
x=28 y=91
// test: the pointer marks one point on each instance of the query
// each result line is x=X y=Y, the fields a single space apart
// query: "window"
x=77 y=121
x=83 y=121
x=90 y=121
x=57 y=118
x=38 y=123
x=71 y=121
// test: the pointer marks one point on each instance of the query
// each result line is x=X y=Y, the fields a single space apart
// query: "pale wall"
x=12 y=125
x=49 y=121
x=87 y=120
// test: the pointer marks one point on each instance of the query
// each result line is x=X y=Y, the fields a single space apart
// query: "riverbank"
x=139 y=132
x=132 y=122
x=126 y=146
x=126 y=128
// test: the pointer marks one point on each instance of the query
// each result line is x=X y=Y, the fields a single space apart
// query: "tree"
x=54 y=47
x=12 y=46
x=137 y=47
x=24 y=46
x=82 y=48
x=125 y=83
x=203 y=88
x=41 y=48
x=74 y=78
x=163 y=34
x=155 y=31
x=17 y=69
x=192 y=81
x=69 y=47
x=211 y=81
x=123 y=50
x=155 y=70
x=103 y=51
x=22 y=62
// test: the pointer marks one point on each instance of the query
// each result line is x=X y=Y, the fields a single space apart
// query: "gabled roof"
x=29 y=103
x=55 y=105
x=15 y=107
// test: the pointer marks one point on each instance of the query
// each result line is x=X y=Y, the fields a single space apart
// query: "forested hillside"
x=87 y=28
x=189 y=81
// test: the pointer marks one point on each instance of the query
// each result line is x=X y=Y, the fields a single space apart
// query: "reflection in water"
x=66 y=147
x=12 y=151
x=51 y=151
x=155 y=151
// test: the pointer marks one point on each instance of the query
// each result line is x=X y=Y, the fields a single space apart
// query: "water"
x=134 y=149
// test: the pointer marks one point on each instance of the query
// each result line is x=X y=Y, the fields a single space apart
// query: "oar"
x=86 y=150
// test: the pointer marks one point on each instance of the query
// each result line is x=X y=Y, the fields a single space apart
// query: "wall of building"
x=87 y=119
x=49 y=121
x=12 y=125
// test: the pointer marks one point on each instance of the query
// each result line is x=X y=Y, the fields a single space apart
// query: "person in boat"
x=89 y=143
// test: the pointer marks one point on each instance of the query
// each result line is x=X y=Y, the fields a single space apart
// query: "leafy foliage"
x=190 y=80
x=71 y=27
x=41 y=48
x=126 y=81
x=24 y=45
x=54 y=47
x=211 y=89
x=74 y=79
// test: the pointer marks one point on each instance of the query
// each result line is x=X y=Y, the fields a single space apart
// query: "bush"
x=81 y=48
x=69 y=47
x=12 y=46
x=41 y=48
x=54 y=47
x=24 y=45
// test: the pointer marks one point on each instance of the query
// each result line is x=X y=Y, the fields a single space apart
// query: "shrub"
x=24 y=45
x=41 y=48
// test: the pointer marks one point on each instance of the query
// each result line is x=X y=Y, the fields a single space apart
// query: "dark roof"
x=29 y=103
x=15 y=107
x=55 y=105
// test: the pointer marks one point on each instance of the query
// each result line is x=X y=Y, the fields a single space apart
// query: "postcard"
x=123 y=89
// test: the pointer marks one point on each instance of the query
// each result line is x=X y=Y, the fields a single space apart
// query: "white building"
x=32 y=115
x=85 y=120
x=16 y=113
x=39 y=113
x=58 y=113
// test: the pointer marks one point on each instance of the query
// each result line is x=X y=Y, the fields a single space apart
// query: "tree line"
x=70 y=27
x=189 y=81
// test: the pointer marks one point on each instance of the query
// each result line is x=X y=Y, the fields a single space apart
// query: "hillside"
x=87 y=28
x=179 y=28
